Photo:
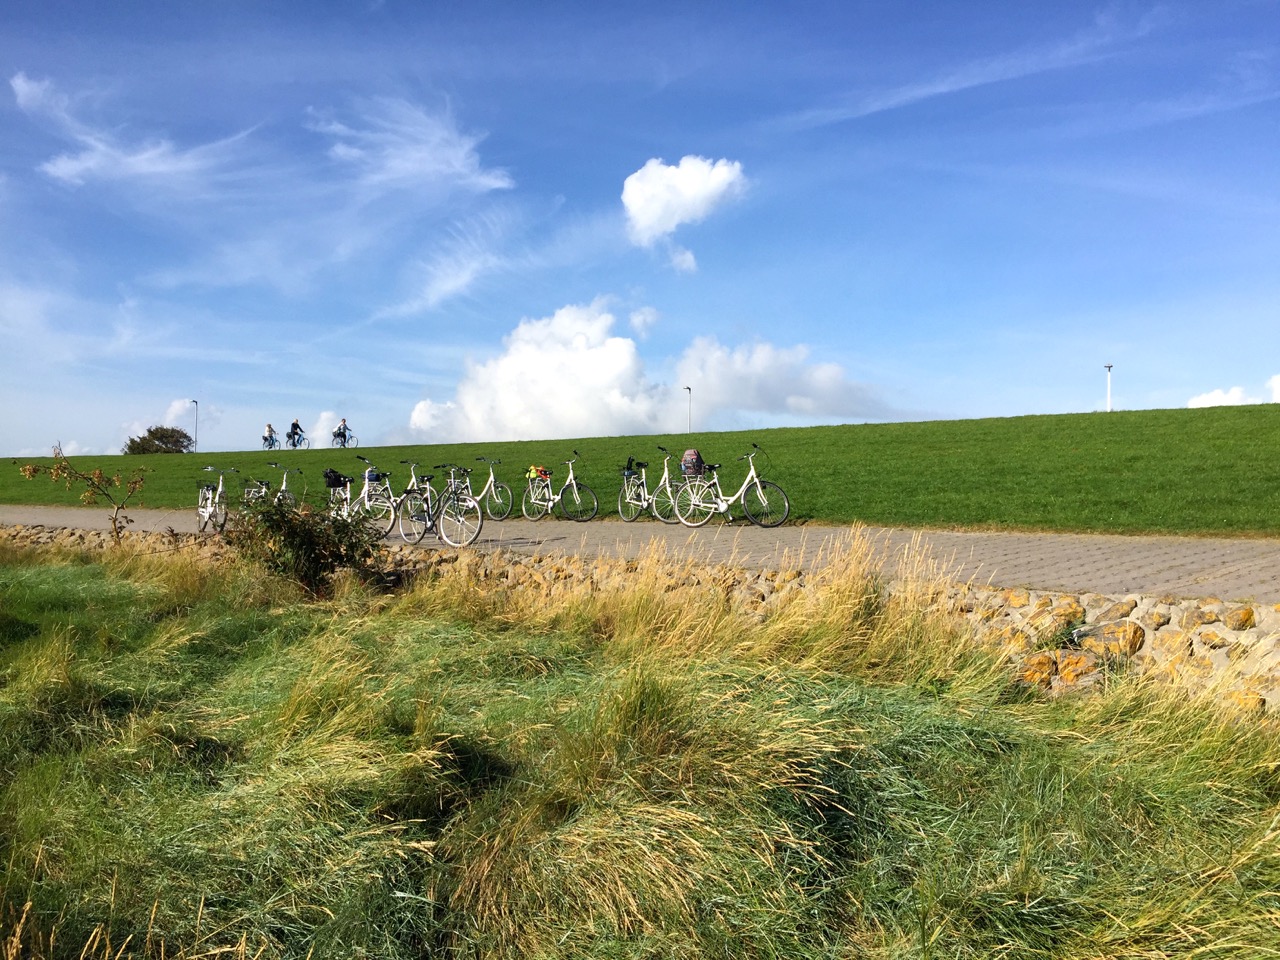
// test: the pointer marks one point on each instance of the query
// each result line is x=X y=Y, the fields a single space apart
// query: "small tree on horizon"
x=160 y=440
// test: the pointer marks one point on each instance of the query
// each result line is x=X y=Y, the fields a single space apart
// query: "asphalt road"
x=1231 y=569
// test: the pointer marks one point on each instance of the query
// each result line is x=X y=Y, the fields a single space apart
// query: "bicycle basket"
x=372 y=476
x=538 y=473
x=333 y=479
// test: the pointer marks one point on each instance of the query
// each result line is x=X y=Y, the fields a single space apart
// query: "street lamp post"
x=1108 y=366
x=690 y=389
x=195 y=440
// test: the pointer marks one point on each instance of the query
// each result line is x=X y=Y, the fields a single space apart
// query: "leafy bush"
x=304 y=544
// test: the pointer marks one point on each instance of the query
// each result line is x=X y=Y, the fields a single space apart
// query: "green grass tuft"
x=205 y=762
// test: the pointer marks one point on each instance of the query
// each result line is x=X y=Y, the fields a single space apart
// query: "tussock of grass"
x=631 y=761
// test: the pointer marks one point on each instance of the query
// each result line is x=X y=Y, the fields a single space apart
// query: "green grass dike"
x=1205 y=471
x=197 y=760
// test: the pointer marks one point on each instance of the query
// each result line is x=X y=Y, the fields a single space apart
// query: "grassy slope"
x=195 y=757
x=1170 y=471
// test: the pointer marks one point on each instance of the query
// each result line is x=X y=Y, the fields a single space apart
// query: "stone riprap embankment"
x=1058 y=642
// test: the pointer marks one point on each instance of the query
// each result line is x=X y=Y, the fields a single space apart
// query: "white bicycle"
x=375 y=500
x=763 y=501
x=453 y=514
x=576 y=500
x=211 y=508
x=634 y=497
x=496 y=496
x=257 y=491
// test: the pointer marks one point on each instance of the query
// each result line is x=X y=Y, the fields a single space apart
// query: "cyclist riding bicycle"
x=295 y=432
x=342 y=430
x=269 y=434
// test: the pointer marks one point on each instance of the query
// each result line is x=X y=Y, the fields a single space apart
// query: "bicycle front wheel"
x=663 y=504
x=460 y=521
x=339 y=506
x=765 y=504
x=630 y=498
x=579 y=502
x=695 y=503
x=203 y=511
x=414 y=518
x=499 y=501
x=286 y=499
x=218 y=516
x=536 y=502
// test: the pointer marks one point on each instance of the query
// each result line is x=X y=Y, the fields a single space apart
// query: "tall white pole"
x=690 y=389
x=195 y=440
x=1108 y=366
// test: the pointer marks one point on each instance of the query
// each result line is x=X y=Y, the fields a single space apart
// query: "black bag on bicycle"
x=692 y=464
x=333 y=479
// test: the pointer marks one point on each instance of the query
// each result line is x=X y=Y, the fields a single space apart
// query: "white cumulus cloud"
x=571 y=375
x=764 y=378
x=560 y=376
x=1236 y=396
x=659 y=198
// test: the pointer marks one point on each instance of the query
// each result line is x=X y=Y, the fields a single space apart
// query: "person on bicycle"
x=295 y=432
x=269 y=434
x=342 y=430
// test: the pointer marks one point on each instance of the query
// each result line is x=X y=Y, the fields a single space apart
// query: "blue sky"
x=490 y=221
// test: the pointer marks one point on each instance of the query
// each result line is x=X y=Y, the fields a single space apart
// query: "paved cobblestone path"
x=1232 y=569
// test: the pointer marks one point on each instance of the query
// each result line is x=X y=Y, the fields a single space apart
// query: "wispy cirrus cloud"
x=1097 y=42
x=101 y=154
x=394 y=143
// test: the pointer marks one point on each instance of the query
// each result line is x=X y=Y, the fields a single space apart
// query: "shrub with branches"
x=304 y=544
x=96 y=483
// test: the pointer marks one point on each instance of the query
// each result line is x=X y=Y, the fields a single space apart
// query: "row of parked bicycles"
x=456 y=512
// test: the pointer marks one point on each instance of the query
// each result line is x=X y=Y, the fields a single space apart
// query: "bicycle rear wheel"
x=536 y=502
x=765 y=504
x=414 y=517
x=579 y=502
x=460 y=520
x=695 y=503
x=630 y=499
x=499 y=501
x=380 y=511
